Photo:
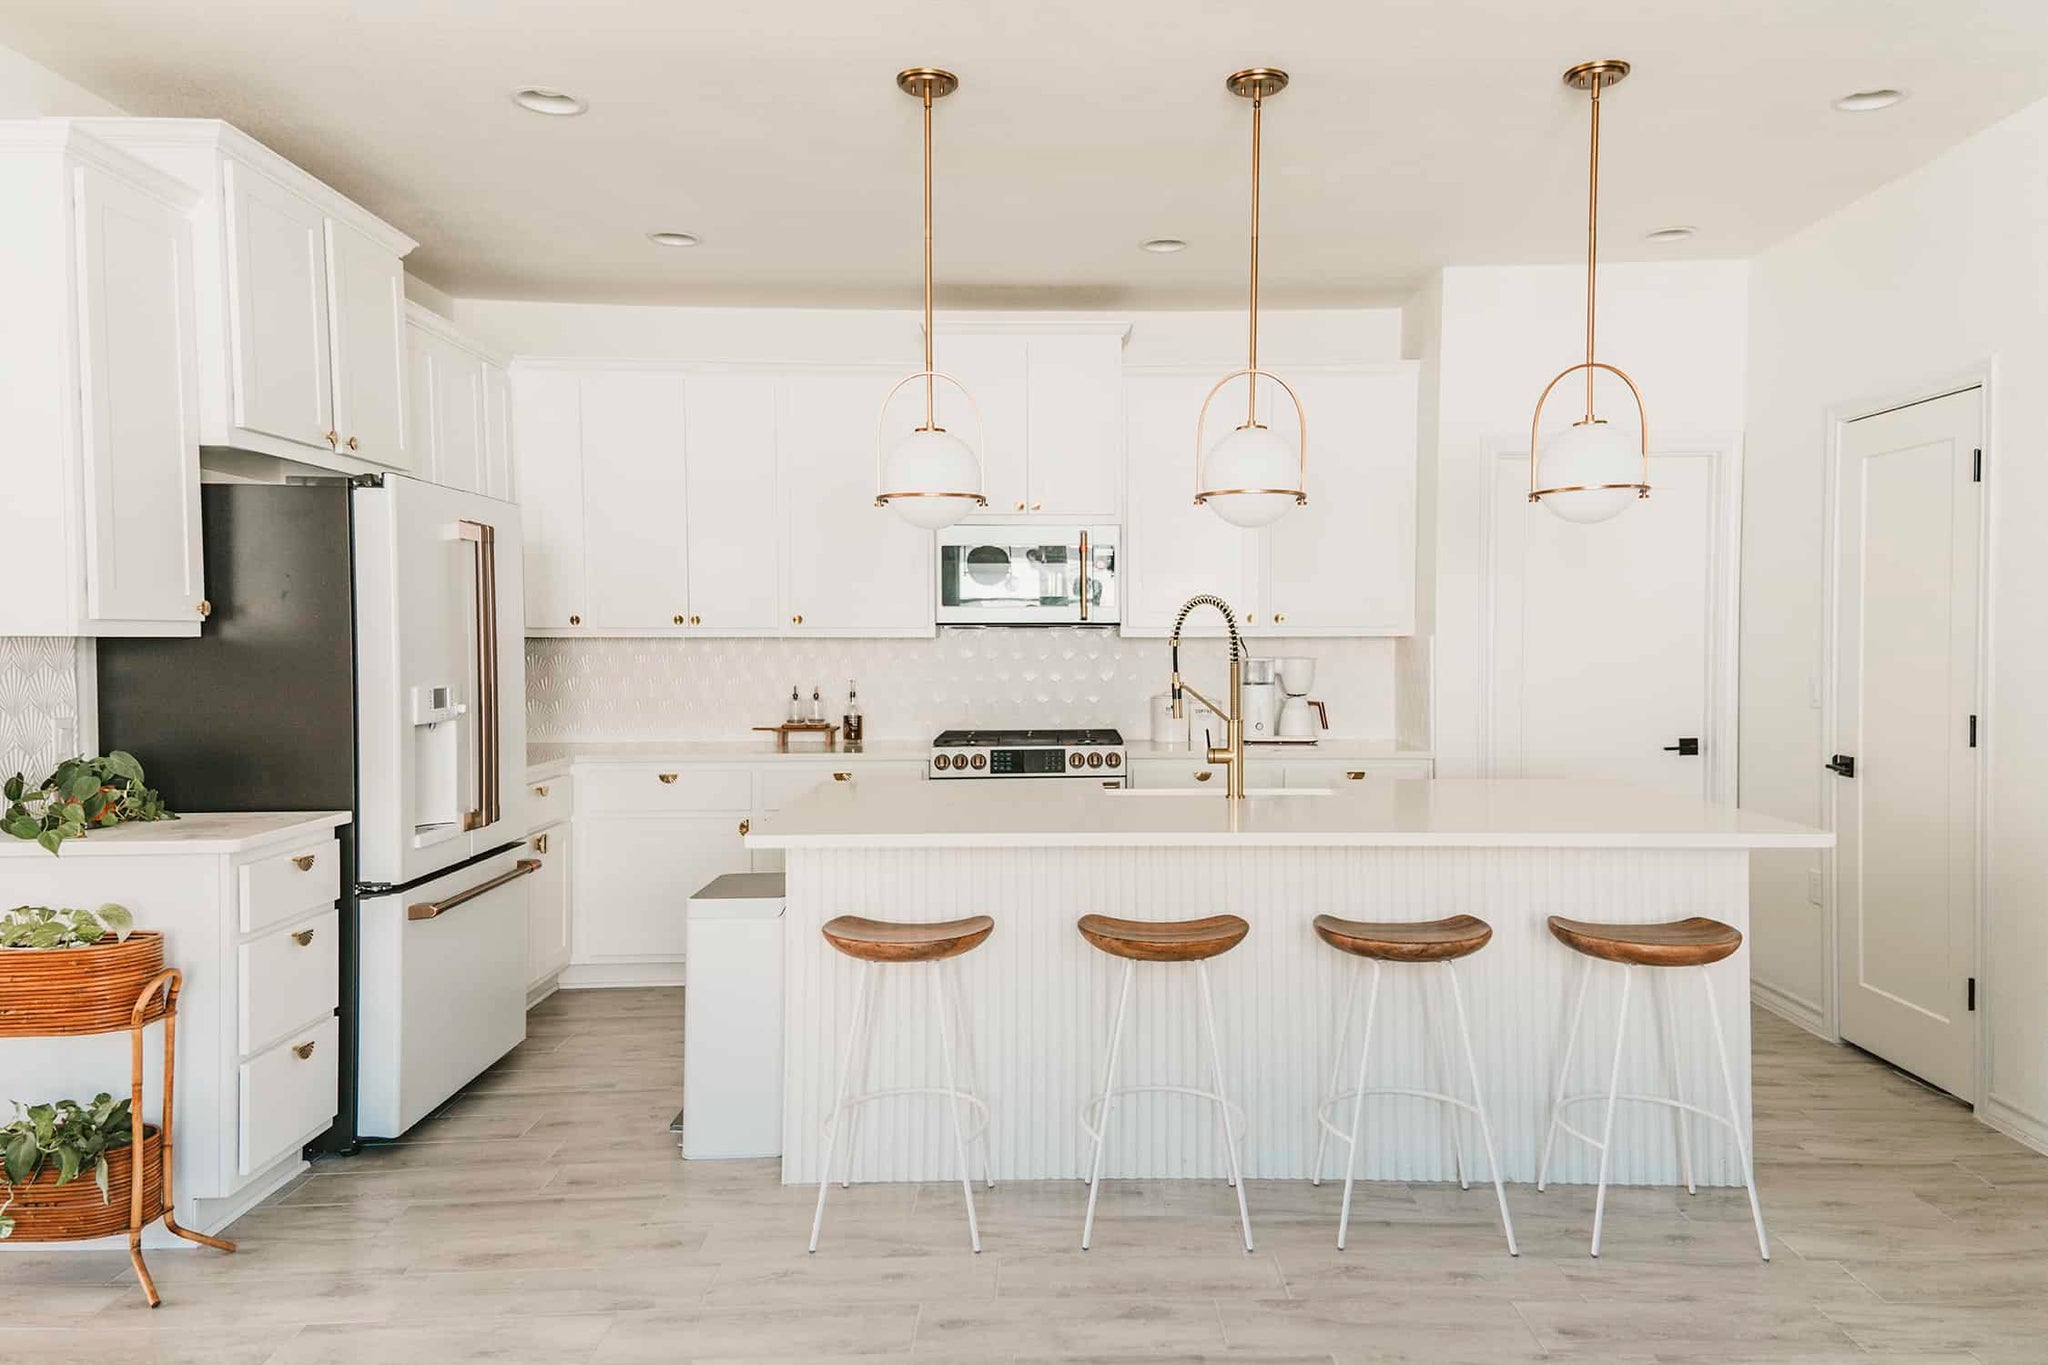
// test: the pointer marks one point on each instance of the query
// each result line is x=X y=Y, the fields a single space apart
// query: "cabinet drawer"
x=289 y=976
x=547 y=802
x=287 y=1093
x=657 y=790
x=1190 y=772
x=780 y=785
x=1335 y=772
x=277 y=888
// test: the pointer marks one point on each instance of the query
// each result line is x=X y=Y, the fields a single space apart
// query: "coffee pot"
x=1301 y=718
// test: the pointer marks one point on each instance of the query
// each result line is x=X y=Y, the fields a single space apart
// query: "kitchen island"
x=1036 y=855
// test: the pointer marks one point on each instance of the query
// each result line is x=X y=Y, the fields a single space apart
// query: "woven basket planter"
x=44 y=1211
x=45 y=992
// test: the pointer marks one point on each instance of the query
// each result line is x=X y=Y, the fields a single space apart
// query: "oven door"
x=1028 y=575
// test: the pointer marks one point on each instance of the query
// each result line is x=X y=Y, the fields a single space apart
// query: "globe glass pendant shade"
x=1252 y=458
x=1582 y=458
x=931 y=462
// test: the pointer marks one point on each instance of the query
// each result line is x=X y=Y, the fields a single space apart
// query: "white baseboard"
x=542 y=990
x=1792 y=1008
x=2015 y=1122
x=584 y=976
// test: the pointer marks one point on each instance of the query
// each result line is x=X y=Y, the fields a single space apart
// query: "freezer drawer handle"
x=304 y=862
x=525 y=867
x=488 y=809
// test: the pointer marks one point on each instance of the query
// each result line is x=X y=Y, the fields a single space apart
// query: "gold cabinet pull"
x=205 y=608
x=679 y=619
x=540 y=843
x=304 y=862
x=1038 y=507
x=1355 y=777
x=696 y=620
x=333 y=440
x=746 y=826
x=303 y=1051
x=575 y=620
x=1203 y=776
x=797 y=620
x=303 y=937
x=667 y=779
x=842 y=777
x=1020 y=507
x=540 y=791
x=351 y=443
x=1278 y=618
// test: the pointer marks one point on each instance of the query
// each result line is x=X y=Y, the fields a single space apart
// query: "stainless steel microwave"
x=1029 y=574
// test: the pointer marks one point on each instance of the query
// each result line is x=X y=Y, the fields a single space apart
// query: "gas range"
x=1029 y=753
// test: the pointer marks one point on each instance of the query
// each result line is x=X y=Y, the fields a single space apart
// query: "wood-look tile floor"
x=546 y=1217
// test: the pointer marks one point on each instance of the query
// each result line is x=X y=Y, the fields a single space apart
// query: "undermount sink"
x=1211 y=793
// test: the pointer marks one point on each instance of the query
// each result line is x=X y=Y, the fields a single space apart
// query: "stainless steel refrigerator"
x=365 y=652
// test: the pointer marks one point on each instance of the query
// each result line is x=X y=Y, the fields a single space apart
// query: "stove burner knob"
x=942 y=763
x=980 y=762
x=960 y=762
x=1114 y=760
x=1075 y=760
x=1095 y=760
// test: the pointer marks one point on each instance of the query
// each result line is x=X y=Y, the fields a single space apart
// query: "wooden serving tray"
x=783 y=731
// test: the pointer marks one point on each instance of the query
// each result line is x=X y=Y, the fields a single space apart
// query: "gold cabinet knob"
x=696 y=620
x=679 y=618
x=540 y=791
x=205 y=608
x=540 y=843
x=797 y=620
x=1204 y=775
x=575 y=620
x=1020 y=507
x=303 y=1051
x=303 y=937
x=1038 y=507
x=333 y=440
x=304 y=862
x=667 y=779
x=1355 y=777
x=1278 y=618
x=746 y=826
x=351 y=443
x=842 y=777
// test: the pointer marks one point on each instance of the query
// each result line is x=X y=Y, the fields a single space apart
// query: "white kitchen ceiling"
x=1418 y=133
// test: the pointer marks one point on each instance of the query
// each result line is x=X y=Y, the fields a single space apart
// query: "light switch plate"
x=1815 y=891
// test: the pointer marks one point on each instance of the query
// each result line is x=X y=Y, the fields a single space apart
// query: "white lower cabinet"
x=633 y=876
x=1335 y=772
x=548 y=928
x=1276 y=770
x=286 y=1094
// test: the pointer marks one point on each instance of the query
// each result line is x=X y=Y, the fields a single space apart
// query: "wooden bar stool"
x=1428 y=943
x=1695 y=942
x=880 y=942
x=1193 y=941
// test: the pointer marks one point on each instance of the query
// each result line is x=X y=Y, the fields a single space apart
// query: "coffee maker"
x=1262 y=701
x=1302 y=719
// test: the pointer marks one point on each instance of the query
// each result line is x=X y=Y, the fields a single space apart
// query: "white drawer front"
x=547 y=802
x=289 y=976
x=278 y=888
x=1191 y=772
x=1335 y=772
x=781 y=785
x=287 y=1097
x=658 y=790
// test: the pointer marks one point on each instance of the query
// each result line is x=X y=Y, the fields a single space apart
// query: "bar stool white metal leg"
x=1190 y=941
x=881 y=943
x=1421 y=944
x=1696 y=943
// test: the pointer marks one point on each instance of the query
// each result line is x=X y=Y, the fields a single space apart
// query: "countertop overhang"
x=1375 y=813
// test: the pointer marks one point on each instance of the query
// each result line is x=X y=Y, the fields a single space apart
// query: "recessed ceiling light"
x=1163 y=246
x=1671 y=234
x=544 y=101
x=1863 y=101
x=672 y=238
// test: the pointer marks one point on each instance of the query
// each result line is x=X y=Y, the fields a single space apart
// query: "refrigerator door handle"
x=525 y=867
x=489 y=798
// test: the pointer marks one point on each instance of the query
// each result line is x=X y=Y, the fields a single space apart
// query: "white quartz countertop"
x=218 y=832
x=1454 y=813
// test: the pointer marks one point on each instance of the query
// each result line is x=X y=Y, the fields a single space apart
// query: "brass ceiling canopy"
x=1609 y=72
x=1256 y=82
x=916 y=80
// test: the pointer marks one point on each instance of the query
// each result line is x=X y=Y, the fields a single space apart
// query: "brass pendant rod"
x=930 y=398
x=1592 y=240
x=1251 y=410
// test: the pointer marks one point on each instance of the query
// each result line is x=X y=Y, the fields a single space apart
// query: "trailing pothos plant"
x=82 y=794
x=38 y=926
x=69 y=1135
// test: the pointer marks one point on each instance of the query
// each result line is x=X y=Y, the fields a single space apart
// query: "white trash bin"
x=732 y=1019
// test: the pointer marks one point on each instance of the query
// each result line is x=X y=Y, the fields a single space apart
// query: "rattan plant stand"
x=76 y=993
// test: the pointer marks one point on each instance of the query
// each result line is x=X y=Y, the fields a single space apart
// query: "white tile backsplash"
x=625 y=689
x=39 y=720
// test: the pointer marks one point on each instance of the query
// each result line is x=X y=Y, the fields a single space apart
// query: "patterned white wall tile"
x=38 y=703
x=617 y=689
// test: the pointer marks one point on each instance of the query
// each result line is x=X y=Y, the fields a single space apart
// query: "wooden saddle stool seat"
x=1437 y=940
x=1694 y=942
x=881 y=940
x=1174 y=940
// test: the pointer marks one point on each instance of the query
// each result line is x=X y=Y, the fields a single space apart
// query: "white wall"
x=31 y=90
x=1937 y=274
x=1501 y=332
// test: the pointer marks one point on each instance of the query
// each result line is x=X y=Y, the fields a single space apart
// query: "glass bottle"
x=796 y=705
x=817 y=702
x=850 y=723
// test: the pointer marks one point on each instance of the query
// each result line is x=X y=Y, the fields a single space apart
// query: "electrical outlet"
x=1814 y=889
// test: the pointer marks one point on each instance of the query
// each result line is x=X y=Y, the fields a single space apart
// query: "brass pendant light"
x=1588 y=471
x=1250 y=477
x=931 y=478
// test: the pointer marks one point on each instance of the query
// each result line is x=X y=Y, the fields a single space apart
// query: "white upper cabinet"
x=100 y=407
x=731 y=503
x=298 y=302
x=547 y=444
x=460 y=408
x=634 y=561
x=366 y=311
x=852 y=568
x=1173 y=549
x=497 y=431
x=1051 y=408
x=992 y=415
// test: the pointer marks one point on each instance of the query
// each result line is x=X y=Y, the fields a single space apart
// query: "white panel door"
x=547 y=904
x=547 y=421
x=991 y=368
x=733 y=516
x=1908 y=528
x=458 y=418
x=277 y=285
x=634 y=878
x=366 y=302
x=1345 y=564
x=1075 y=426
x=138 y=398
x=854 y=568
x=1599 y=635
x=497 y=432
x=422 y=352
x=1172 y=548
x=633 y=499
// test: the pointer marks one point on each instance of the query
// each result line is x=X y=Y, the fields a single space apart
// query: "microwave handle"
x=1084 y=575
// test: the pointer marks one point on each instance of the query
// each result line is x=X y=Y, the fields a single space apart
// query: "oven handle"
x=1084 y=575
x=525 y=867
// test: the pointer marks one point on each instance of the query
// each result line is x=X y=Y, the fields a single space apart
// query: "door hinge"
x=1973 y=731
x=1977 y=465
x=1842 y=765
x=1973 y=995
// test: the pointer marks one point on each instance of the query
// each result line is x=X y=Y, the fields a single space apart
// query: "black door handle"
x=1688 y=747
x=1842 y=765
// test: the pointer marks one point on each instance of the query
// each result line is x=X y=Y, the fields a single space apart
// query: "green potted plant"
x=48 y=1147
x=82 y=794
x=73 y=971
